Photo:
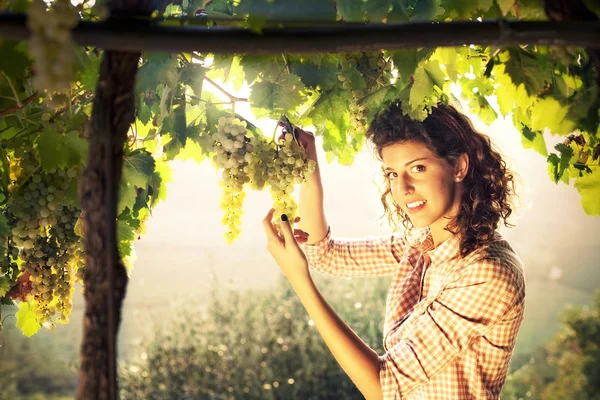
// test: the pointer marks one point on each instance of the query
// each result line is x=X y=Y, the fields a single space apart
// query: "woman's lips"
x=415 y=206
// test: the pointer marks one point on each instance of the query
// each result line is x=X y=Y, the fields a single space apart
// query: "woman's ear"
x=461 y=167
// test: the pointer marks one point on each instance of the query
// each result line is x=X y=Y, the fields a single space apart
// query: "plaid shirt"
x=451 y=323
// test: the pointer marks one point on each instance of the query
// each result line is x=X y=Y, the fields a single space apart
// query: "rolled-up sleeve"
x=370 y=256
x=478 y=297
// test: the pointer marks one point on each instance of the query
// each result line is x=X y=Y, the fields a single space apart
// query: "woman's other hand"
x=284 y=246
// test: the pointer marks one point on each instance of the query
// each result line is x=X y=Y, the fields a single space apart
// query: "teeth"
x=415 y=204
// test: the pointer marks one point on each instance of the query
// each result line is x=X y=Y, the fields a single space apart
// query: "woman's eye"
x=418 y=168
x=391 y=175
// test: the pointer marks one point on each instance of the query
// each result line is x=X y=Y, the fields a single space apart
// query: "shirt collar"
x=447 y=250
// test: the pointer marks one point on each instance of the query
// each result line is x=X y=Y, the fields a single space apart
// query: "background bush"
x=254 y=345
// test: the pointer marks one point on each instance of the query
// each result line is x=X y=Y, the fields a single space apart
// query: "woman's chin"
x=420 y=223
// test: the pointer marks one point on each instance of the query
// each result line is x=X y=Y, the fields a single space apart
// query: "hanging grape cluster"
x=230 y=146
x=258 y=163
x=52 y=47
x=43 y=234
x=375 y=70
x=289 y=167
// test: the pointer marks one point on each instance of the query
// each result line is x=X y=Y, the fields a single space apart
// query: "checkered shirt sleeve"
x=370 y=256
x=478 y=297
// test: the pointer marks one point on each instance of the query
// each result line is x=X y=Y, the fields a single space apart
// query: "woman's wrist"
x=311 y=154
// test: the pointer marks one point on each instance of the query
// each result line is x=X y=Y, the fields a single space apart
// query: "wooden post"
x=105 y=276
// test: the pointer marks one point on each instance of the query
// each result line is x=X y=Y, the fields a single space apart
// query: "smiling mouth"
x=415 y=206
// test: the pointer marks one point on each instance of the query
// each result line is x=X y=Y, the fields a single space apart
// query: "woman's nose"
x=405 y=185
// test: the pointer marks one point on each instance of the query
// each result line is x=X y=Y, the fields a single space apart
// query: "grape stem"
x=287 y=63
x=275 y=131
x=312 y=105
x=381 y=71
x=231 y=97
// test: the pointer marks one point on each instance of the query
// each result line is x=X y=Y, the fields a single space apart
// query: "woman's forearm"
x=356 y=358
x=310 y=205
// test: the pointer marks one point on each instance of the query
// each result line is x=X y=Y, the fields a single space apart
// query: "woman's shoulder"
x=498 y=247
x=498 y=255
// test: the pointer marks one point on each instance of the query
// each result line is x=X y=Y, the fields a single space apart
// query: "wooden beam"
x=134 y=34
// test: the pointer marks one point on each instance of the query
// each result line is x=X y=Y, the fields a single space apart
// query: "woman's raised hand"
x=305 y=139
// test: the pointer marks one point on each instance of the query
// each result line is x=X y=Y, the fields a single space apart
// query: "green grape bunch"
x=289 y=167
x=230 y=146
x=43 y=235
x=375 y=69
x=51 y=46
x=258 y=163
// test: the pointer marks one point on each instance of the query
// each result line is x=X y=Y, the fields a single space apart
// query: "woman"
x=456 y=300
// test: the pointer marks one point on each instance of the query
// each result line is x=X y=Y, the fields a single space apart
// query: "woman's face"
x=422 y=184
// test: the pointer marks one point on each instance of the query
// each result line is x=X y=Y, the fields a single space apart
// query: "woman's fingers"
x=271 y=232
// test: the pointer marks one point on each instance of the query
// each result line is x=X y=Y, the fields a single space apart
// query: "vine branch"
x=231 y=97
x=20 y=105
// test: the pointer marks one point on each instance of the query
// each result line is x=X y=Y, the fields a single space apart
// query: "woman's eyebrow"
x=407 y=164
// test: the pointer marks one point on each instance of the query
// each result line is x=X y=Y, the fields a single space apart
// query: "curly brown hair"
x=488 y=185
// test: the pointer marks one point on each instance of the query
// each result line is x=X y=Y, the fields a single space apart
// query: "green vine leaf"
x=193 y=76
x=125 y=237
x=505 y=6
x=268 y=68
x=407 y=61
x=228 y=69
x=27 y=320
x=4 y=229
x=466 y=8
x=589 y=189
x=138 y=167
x=273 y=98
x=88 y=69
x=14 y=60
x=524 y=68
x=5 y=285
x=350 y=10
x=321 y=75
x=158 y=69
x=422 y=93
x=426 y=10
x=57 y=150
x=549 y=113
x=534 y=140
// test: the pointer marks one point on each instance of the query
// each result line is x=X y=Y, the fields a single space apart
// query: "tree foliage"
x=43 y=143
